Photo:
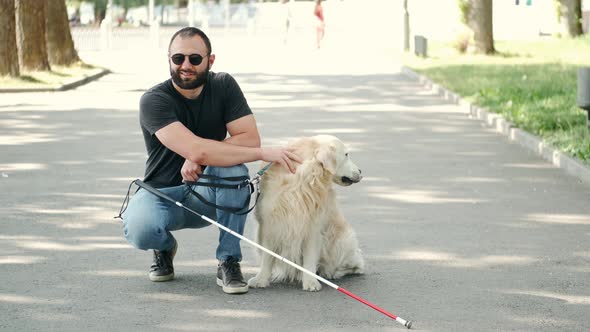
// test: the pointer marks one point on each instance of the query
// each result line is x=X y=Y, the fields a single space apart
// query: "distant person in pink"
x=318 y=12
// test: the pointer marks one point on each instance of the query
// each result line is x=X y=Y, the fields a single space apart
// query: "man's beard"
x=189 y=84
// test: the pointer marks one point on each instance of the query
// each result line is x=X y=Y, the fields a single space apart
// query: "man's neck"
x=189 y=93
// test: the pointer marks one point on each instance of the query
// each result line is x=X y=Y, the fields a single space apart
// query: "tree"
x=60 y=46
x=30 y=32
x=477 y=14
x=569 y=14
x=406 y=27
x=8 y=49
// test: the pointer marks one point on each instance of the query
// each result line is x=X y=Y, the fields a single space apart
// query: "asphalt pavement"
x=461 y=229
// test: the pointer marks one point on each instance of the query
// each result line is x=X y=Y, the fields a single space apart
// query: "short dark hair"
x=190 y=32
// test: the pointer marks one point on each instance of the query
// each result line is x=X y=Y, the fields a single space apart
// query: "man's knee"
x=144 y=234
x=144 y=226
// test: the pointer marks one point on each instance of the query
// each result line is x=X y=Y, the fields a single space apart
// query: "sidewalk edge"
x=531 y=142
x=63 y=87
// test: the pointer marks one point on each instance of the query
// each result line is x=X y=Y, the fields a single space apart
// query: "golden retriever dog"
x=299 y=218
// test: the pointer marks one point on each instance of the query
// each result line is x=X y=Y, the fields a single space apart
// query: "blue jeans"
x=149 y=220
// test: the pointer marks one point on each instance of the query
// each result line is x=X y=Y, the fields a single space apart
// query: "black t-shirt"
x=220 y=102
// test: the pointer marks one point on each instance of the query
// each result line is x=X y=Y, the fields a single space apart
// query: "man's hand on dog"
x=284 y=156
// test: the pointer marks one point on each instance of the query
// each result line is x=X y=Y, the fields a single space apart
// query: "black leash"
x=245 y=181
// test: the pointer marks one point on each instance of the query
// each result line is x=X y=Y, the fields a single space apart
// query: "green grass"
x=56 y=77
x=532 y=84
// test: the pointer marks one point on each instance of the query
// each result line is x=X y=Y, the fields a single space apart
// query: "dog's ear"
x=325 y=154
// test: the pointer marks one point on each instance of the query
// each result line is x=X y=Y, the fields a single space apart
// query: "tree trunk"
x=406 y=27
x=570 y=17
x=60 y=45
x=30 y=31
x=8 y=49
x=480 y=20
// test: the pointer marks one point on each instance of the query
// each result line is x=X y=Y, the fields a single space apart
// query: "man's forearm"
x=214 y=153
x=244 y=139
x=207 y=152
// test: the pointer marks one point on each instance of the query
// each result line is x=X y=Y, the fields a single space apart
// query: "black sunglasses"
x=194 y=59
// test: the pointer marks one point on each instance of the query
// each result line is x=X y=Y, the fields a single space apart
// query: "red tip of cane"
x=360 y=299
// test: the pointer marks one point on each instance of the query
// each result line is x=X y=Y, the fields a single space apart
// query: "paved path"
x=461 y=229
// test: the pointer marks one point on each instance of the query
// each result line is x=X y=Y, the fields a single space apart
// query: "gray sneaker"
x=229 y=277
x=162 y=268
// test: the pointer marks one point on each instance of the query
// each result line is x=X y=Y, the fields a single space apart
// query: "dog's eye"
x=346 y=154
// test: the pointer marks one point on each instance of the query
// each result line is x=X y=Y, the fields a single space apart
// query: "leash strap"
x=125 y=202
x=253 y=184
x=234 y=210
x=245 y=181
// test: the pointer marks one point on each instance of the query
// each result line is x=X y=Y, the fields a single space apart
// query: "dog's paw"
x=312 y=285
x=255 y=282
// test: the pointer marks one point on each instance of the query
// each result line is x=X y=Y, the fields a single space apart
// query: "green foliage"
x=533 y=85
x=557 y=4
x=464 y=8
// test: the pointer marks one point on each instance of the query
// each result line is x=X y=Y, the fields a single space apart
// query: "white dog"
x=299 y=218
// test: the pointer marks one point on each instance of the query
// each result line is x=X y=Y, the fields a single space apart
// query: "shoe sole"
x=162 y=278
x=232 y=290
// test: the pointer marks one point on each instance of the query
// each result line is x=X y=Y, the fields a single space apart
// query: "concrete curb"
x=66 y=86
x=532 y=142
